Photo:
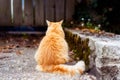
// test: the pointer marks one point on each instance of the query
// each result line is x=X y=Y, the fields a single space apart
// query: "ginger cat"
x=52 y=53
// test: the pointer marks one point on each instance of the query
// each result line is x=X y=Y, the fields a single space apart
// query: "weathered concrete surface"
x=105 y=54
x=22 y=67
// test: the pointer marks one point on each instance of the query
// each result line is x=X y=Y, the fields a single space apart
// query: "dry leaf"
x=19 y=52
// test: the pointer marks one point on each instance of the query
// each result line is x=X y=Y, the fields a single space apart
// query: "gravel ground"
x=17 y=60
x=22 y=67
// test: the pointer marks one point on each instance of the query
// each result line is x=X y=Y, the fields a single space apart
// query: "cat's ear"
x=48 y=22
x=61 y=22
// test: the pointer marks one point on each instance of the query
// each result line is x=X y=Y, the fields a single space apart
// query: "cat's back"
x=53 y=38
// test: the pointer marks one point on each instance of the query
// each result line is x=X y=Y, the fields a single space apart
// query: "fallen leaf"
x=19 y=52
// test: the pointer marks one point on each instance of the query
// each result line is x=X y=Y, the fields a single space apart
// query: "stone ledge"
x=105 y=54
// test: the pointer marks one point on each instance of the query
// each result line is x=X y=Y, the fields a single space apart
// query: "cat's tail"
x=78 y=68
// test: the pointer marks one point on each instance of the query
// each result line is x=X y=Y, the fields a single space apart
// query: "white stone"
x=105 y=55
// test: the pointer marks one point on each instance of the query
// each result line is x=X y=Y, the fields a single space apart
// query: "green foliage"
x=80 y=47
x=104 y=12
x=89 y=25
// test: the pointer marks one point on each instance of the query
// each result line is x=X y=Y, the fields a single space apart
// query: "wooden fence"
x=35 y=12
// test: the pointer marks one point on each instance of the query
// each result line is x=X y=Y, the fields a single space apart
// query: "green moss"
x=80 y=47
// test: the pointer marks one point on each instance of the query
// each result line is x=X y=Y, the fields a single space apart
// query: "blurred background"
x=30 y=15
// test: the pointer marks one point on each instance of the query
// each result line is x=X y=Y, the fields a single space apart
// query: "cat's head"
x=55 y=27
x=54 y=23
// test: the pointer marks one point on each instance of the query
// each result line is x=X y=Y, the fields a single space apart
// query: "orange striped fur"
x=52 y=53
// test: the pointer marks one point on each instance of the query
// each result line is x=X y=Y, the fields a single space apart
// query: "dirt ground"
x=17 y=60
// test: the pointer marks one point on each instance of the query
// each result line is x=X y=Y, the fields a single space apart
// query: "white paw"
x=39 y=68
x=35 y=57
x=80 y=65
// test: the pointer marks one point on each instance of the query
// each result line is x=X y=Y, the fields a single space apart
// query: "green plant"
x=79 y=47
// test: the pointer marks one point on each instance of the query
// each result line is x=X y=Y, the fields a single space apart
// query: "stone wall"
x=105 y=54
